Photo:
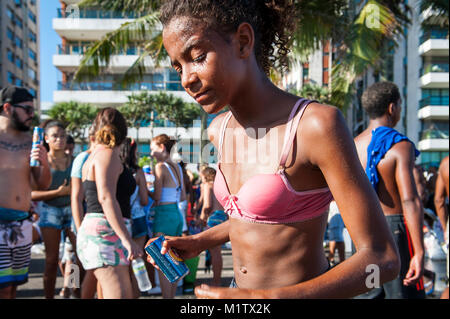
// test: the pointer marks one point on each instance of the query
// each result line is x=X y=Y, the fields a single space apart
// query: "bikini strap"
x=222 y=134
x=291 y=128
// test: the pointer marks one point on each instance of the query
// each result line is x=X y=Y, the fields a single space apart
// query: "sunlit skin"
x=16 y=175
x=441 y=193
x=58 y=160
x=14 y=166
x=282 y=260
x=397 y=188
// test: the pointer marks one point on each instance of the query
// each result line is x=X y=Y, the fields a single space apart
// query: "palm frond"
x=98 y=57
x=146 y=6
x=362 y=48
x=440 y=10
x=318 y=22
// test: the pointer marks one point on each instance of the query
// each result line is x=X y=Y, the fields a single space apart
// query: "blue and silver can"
x=170 y=263
x=38 y=138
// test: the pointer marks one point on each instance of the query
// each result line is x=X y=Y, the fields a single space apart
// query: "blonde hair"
x=110 y=127
x=106 y=135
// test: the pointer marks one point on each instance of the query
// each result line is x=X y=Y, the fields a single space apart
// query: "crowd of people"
x=274 y=212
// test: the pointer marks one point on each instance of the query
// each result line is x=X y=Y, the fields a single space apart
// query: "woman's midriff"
x=271 y=256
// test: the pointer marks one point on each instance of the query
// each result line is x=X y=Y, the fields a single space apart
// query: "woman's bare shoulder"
x=322 y=120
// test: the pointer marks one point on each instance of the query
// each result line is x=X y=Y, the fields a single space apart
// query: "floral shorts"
x=98 y=245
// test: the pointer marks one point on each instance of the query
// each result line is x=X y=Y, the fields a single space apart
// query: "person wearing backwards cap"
x=17 y=179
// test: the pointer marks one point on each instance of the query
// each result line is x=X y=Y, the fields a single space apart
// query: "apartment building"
x=19 y=45
x=79 y=28
x=419 y=65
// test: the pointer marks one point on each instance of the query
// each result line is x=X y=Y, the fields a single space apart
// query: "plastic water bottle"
x=140 y=272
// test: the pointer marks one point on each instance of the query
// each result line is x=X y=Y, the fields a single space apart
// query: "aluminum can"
x=172 y=266
x=38 y=138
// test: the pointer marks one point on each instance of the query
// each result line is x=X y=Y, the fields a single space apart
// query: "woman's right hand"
x=133 y=249
x=64 y=189
x=186 y=247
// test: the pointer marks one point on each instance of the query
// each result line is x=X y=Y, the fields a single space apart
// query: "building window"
x=10 y=34
x=18 y=42
x=32 y=74
x=429 y=159
x=19 y=63
x=10 y=14
x=10 y=56
x=11 y=78
x=32 y=55
x=32 y=16
x=18 y=3
x=19 y=22
x=32 y=92
x=32 y=36
x=19 y=82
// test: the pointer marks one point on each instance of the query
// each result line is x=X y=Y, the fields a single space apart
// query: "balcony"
x=434 y=47
x=434 y=108
x=434 y=42
x=86 y=29
x=434 y=75
x=96 y=14
x=112 y=86
x=118 y=63
x=110 y=94
x=434 y=140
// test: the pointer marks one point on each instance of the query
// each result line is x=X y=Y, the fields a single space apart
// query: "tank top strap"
x=171 y=174
x=222 y=134
x=181 y=175
x=291 y=128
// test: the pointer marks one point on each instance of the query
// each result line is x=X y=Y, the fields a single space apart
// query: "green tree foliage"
x=75 y=116
x=314 y=92
x=175 y=110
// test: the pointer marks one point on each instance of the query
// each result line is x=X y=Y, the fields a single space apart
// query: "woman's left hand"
x=208 y=292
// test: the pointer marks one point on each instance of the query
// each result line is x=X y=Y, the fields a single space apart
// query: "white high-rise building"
x=419 y=65
x=78 y=28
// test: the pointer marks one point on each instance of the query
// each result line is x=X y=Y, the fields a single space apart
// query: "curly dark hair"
x=376 y=99
x=273 y=22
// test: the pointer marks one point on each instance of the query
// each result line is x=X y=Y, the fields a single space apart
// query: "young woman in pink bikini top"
x=270 y=198
x=223 y=51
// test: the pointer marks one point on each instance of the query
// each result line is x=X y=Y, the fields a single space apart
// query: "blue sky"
x=49 y=41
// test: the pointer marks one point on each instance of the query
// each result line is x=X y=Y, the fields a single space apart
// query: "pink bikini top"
x=269 y=198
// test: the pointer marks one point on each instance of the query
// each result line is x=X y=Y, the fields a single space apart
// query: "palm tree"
x=75 y=116
x=358 y=43
x=440 y=9
x=138 y=111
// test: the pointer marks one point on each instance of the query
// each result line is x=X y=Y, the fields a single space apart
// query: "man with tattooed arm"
x=17 y=179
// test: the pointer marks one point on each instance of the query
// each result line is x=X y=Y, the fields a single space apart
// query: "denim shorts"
x=139 y=227
x=335 y=229
x=55 y=217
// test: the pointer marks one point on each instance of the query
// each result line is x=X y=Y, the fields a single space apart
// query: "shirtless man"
x=440 y=198
x=17 y=179
x=388 y=158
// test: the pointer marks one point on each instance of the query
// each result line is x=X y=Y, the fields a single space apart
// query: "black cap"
x=14 y=95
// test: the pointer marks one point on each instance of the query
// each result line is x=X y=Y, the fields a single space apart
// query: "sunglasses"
x=28 y=109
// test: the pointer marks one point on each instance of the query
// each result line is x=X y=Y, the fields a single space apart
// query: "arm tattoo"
x=14 y=147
